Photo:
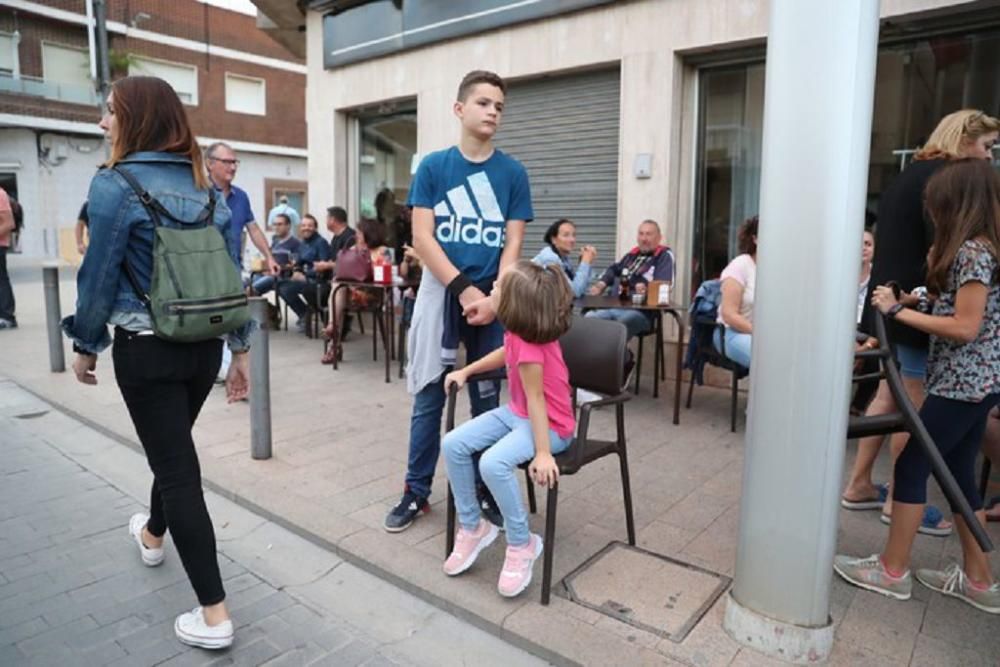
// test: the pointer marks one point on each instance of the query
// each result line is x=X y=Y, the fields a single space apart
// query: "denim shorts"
x=912 y=361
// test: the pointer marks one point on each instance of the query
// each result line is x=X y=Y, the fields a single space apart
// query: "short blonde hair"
x=536 y=302
x=955 y=129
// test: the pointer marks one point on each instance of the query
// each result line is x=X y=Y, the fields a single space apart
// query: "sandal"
x=871 y=503
x=931 y=523
x=332 y=352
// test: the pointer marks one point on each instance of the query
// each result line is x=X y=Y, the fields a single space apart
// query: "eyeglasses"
x=228 y=163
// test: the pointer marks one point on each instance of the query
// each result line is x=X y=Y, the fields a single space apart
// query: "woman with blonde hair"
x=902 y=241
x=164 y=383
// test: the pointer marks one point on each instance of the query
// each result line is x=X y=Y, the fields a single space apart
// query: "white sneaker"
x=150 y=557
x=192 y=629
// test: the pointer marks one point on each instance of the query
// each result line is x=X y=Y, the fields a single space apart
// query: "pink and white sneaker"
x=468 y=544
x=516 y=573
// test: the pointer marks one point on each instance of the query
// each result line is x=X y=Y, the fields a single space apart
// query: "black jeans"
x=6 y=293
x=164 y=385
x=956 y=428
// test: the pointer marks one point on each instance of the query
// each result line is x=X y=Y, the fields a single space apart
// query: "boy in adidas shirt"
x=470 y=205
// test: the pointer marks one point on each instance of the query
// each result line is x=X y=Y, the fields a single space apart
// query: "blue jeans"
x=737 y=346
x=507 y=441
x=264 y=284
x=912 y=361
x=428 y=406
x=636 y=323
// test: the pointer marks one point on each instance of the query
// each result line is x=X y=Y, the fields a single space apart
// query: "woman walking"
x=164 y=384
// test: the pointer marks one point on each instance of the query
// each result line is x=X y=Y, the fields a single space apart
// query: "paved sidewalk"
x=73 y=591
x=339 y=457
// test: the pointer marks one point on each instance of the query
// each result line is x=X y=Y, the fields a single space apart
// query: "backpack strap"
x=155 y=210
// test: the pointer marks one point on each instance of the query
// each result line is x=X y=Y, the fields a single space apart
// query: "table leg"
x=680 y=367
x=658 y=337
x=386 y=324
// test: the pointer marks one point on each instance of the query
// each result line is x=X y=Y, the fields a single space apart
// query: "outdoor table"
x=386 y=311
x=590 y=302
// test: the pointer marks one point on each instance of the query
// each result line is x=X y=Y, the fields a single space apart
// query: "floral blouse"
x=968 y=371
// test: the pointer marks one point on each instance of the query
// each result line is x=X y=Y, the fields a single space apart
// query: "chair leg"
x=449 y=541
x=638 y=367
x=532 y=504
x=550 y=541
x=626 y=479
x=690 y=390
x=733 y=402
x=984 y=478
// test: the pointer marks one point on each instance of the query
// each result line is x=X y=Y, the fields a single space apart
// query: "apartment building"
x=237 y=83
x=620 y=110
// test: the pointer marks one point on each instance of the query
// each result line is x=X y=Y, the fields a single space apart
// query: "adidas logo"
x=472 y=220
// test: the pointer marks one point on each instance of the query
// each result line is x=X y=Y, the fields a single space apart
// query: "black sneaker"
x=489 y=508
x=402 y=515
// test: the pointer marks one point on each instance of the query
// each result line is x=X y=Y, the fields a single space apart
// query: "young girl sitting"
x=534 y=304
x=963 y=383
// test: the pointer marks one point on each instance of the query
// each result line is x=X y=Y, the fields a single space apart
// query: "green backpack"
x=196 y=293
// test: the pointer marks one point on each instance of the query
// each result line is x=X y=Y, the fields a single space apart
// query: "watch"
x=892 y=312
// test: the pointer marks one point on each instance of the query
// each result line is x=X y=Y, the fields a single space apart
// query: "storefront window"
x=388 y=142
x=917 y=82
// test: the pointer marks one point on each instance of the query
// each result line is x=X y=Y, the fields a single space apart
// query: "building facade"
x=237 y=84
x=621 y=111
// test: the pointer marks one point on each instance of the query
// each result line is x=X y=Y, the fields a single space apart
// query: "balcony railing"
x=73 y=93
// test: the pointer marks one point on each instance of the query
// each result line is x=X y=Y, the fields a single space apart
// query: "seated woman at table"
x=736 y=308
x=370 y=236
x=560 y=239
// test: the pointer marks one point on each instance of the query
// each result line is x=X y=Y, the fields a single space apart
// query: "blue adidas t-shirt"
x=472 y=202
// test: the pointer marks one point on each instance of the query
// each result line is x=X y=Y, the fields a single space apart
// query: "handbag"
x=354 y=264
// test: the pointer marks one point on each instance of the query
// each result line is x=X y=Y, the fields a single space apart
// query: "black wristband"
x=892 y=312
x=459 y=284
x=79 y=350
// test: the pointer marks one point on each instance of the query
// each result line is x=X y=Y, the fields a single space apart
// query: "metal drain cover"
x=646 y=590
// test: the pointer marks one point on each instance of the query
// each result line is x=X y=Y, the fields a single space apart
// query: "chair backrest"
x=594 y=351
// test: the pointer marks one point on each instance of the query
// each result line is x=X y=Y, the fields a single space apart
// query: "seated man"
x=283 y=247
x=313 y=280
x=647 y=261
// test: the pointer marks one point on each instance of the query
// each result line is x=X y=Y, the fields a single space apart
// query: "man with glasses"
x=220 y=159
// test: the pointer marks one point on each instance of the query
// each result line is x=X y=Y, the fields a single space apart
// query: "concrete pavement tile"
x=950 y=620
x=665 y=539
x=747 y=657
x=565 y=636
x=883 y=625
x=279 y=557
x=930 y=652
x=152 y=653
x=696 y=512
x=847 y=653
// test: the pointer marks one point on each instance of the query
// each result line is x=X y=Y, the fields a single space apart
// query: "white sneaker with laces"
x=150 y=557
x=192 y=630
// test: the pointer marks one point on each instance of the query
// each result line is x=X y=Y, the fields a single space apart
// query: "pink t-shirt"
x=4 y=208
x=555 y=381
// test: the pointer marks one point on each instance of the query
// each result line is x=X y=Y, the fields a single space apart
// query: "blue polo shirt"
x=239 y=203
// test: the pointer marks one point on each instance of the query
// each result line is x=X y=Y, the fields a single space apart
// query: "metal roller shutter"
x=565 y=131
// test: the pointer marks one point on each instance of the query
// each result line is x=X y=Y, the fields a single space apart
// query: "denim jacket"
x=121 y=230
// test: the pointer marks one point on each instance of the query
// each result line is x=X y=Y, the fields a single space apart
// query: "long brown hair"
x=962 y=198
x=535 y=303
x=150 y=117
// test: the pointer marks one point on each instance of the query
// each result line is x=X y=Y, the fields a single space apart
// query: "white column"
x=817 y=129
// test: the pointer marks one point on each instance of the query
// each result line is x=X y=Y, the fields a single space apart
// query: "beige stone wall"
x=649 y=38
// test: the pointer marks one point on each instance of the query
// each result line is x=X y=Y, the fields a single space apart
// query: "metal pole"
x=53 y=316
x=101 y=33
x=817 y=130
x=260 y=383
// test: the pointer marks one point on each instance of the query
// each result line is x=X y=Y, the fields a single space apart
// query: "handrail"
x=907 y=419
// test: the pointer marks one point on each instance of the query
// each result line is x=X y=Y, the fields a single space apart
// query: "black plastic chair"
x=594 y=351
x=703 y=330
